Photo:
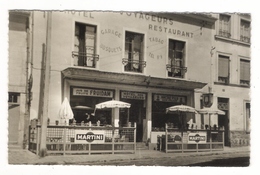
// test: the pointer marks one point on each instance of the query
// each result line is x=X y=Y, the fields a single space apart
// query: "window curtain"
x=223 y=66
x=90 y=45
x=244 y=70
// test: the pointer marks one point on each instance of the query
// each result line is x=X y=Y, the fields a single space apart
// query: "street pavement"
x=19 y=156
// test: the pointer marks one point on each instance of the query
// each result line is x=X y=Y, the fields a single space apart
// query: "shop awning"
x=129 y=79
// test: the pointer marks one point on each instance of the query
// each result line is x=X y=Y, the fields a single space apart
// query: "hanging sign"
x=133 y=95
x=197 y=137
x=83 y=136
x=92 y=92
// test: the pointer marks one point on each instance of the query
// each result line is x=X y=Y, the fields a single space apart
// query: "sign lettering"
x=133 y=95
x=90 y=137
x=169 y=98
x=197 y=137
x=92 y=92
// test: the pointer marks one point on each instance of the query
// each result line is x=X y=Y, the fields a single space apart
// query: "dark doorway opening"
x=223 y=120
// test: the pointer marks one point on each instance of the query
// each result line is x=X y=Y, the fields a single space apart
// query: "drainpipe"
x=44 y=117
x=28 y=83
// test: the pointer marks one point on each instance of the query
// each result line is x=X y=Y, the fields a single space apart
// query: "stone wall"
x=239 y=138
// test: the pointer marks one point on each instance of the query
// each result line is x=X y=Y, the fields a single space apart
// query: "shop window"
x=223 y=69
x=245 y=72
x=84 y=53
x=133 y=60
x=176 y=57
x=245 y=31
x=248 y=114
x=224 y=26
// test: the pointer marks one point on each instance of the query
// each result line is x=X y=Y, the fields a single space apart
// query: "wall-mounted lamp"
x=207 y=99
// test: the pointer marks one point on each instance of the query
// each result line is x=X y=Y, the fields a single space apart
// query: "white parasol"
x=65 y=112
x=210 y=111
x=181 y=109
x=112 y=104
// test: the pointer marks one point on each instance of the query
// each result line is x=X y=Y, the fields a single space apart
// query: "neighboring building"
x=231 y=76
x=18 y=71
x=152 y=61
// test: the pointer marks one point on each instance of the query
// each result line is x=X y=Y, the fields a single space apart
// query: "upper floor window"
x=134 y=52
x=223 y=69
x=224 y=26
x=84 y=53
x=245 y=31
x=244 y=72
x=176 y=57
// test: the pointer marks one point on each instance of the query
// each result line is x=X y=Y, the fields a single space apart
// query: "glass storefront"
x=83 y=101
x=159 y=116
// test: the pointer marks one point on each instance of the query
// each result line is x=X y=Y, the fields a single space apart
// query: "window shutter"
x=223 y=66
x=244 y=70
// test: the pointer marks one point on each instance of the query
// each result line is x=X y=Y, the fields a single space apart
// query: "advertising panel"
x=198 y=137
x=83 y=136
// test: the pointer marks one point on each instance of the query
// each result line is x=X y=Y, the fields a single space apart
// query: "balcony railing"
x=244 y=39
x=85 y=59
x=224 y=33
x=176 y=71
x=224 y=80
x=133 y=65
x=245 y=82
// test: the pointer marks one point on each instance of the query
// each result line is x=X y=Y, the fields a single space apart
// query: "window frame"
x=243 y=38
x=87 y=58
x=249 y=81
x=227 y=81
x=228 y=33
x=130 y=64
x=182 y=68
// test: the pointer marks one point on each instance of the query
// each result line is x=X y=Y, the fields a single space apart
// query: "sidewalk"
x=17 y=155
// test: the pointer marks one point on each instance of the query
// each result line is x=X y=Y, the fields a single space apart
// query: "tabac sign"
x=92 y=92
x=197 y=137
x=83 y=136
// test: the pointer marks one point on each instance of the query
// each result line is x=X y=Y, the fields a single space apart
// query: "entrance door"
x=223 y=120
x=136 y=114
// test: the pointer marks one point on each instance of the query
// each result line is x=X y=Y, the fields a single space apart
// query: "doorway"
x=223 y=120
x=135 y=114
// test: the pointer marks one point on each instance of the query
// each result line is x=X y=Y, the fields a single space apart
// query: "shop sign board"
x=133 y=95
x=169 y=98
x=90 y=136
x=92 y=92
x=198 y=137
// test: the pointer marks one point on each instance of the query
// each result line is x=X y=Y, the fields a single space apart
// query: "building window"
x=13 y=97
x=224 y=26
x=244 y=72
x=176 y=57
x=84 y=53
x=134 y=50
x=245 y=31
x=223 y=69
x=248 y=114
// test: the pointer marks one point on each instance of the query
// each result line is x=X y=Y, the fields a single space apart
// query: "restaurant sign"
x=83 y=136
x=92 y=92
x=133 y=95
x=197 y=137
x=169 y=98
